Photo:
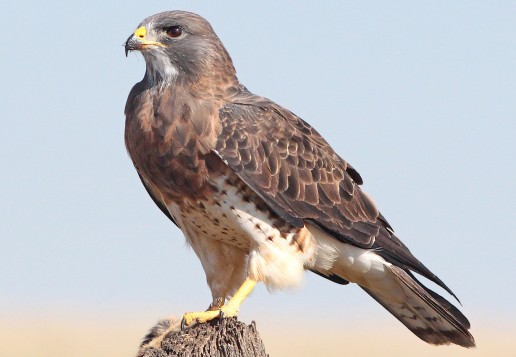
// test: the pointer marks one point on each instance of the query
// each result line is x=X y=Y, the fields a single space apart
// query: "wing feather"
x=158 y=203
x=297 y=173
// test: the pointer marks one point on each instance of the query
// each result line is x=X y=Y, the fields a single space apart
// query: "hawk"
x=259 y=195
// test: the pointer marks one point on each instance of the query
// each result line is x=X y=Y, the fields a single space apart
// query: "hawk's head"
x=179 y=46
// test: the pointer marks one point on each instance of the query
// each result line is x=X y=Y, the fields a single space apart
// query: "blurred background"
x=419 y=98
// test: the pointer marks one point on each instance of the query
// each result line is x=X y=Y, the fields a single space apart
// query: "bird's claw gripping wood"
x=191 y=318
x=230 y=309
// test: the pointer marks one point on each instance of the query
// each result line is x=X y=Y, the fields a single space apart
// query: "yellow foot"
x=229 y=310
x=191 y=318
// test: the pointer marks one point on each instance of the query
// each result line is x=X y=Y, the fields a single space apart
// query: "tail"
x=427 y=314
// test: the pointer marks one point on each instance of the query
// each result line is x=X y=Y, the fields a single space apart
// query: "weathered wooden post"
x=219 y=338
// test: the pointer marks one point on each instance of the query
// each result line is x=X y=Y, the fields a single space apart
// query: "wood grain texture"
x=219 y=338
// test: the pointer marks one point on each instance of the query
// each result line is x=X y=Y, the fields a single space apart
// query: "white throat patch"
x=159 y=67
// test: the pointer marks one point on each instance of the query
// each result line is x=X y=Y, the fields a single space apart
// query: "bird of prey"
x=259 y=195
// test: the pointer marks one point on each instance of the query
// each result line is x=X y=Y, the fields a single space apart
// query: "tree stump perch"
x=219 y=338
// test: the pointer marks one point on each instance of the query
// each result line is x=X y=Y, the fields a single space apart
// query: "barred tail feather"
x=427 y=314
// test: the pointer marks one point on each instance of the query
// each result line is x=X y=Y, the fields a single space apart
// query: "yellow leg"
x=230 y=309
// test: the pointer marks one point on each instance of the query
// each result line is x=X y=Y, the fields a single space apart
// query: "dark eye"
x=173 y=31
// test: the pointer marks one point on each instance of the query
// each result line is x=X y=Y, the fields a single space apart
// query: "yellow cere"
x=140 y=32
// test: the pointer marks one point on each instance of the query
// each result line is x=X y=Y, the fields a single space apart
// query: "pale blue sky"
x=419 y=98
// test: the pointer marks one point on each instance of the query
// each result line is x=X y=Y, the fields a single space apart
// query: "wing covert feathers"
x=299 y=176
x=295 y=170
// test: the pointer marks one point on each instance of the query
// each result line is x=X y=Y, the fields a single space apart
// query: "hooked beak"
x=138 y=41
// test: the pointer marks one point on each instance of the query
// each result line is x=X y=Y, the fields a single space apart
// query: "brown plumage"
x=259 y=194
